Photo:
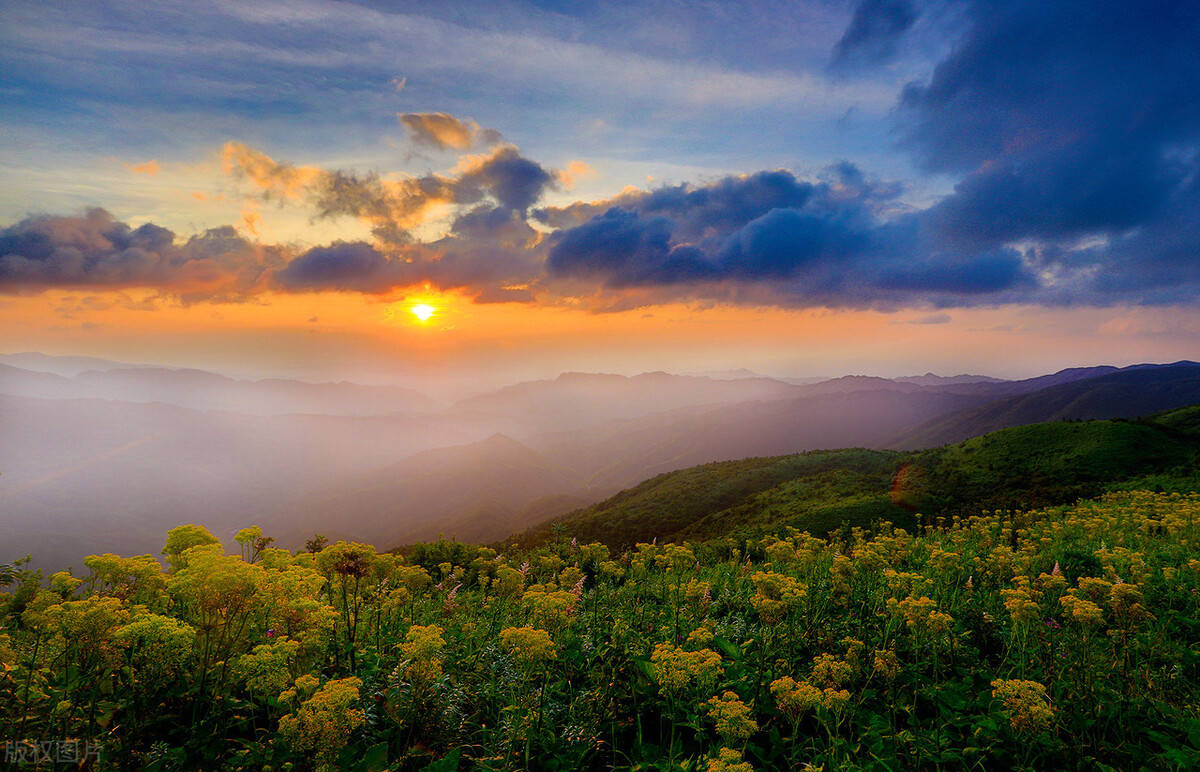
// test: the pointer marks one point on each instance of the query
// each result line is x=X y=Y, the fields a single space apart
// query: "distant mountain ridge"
x=204 y=390
x=929 y=379
x=1109 y=393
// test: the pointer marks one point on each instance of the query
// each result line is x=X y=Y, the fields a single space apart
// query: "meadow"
x=1059 y=638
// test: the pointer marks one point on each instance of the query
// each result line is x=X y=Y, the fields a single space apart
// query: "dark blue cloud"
x=95 y=250
x=1072 y=121
x=513 y=180
x=343 y=265
x=624 y=248
x=874 y=32
x=825 y=242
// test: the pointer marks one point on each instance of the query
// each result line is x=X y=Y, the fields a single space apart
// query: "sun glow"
x=423 y=311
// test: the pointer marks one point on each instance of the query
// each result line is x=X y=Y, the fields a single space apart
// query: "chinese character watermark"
x=62 y=751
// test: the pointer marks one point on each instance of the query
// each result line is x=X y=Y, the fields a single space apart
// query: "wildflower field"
x=1063 y=638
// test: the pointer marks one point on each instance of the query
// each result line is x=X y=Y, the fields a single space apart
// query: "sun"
x=423 y=311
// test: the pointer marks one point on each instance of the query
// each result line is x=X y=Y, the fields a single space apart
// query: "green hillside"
x=1022 y=467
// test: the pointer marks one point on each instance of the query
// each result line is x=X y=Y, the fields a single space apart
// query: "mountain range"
x=110 y=459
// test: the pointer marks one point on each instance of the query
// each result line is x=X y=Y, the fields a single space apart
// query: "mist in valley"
x=100 y=456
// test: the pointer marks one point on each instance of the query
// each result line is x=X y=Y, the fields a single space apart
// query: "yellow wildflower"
x=1025 y=704
x=829 y=671
x=421 y=648
x=732 y=716
x=1083 y=611
x=677 y=670
x=549 y=608
x=776 y=594
x=794 y=698
x=729 y=760
x=323 y=723
x=886 y=664
x=528 y=644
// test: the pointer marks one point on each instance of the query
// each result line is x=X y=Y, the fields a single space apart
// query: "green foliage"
x=1045 y=639
x=717 y=499
x=839 y=630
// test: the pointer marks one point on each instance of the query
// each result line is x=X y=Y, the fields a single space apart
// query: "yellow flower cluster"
x=1126 y=602
x=1021 y=602
x=675 y=557
x=1025 y=704
x=421 y=648
x=921 y=615
x=830 y=671
x=1082 y=610
x=612 y=570
x=729 y=760
x=779 y=551
x=549 y=608
x=323 y=723
x=701 y=637
x=842 y=575
x=732 y=717
x=508 y=582
x=678 y=670
x=267 y=669
x=887 y=664
x=776 y=595
x=415 y=578
x=795 y=698
x=528 y=644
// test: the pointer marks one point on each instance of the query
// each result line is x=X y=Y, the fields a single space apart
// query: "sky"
x=809 y=187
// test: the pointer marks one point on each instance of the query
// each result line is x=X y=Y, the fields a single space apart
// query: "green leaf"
x=728 y=648
x=447 y=764
x=375 y=759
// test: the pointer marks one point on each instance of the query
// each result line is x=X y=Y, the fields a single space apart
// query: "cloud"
x=1075 y=127
x=445 y=132
x=1070 y=131
x=393 y=207
x=95 y=250
x=574 y=172
x=511 y=179
x=355 y=266
x=931 y=319
x=150 y=168
x=834 y=241
x=874 y=32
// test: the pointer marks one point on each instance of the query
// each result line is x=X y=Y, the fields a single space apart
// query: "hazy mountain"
x=470 y=492
x=929 y=379
x=622 y=453
x=88 y=475
x=850 y=383
x=81 y=476
x=574 y=400
x=205 y=390
x=1112 y=393
x=997 y=389
x=66 y=366
x=19 y=382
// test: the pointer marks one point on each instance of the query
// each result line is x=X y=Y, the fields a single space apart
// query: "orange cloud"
x=274 y=179
x=575 y=171
x=444 y=131
x=151 y=168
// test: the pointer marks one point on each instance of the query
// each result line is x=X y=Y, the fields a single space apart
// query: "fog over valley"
x=98 y=457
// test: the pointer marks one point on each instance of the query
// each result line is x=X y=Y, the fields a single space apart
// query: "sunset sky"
x=798 y=188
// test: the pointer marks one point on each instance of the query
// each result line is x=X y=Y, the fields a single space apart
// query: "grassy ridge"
x=1022 y=467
